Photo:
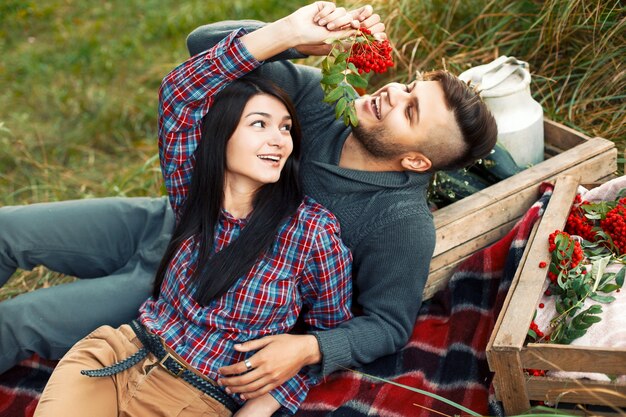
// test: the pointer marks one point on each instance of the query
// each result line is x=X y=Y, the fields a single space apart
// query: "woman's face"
x=258 y=149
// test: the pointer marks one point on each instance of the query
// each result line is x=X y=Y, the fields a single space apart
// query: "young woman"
x=247 y=257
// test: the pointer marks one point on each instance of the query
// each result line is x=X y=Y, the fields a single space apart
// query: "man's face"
x=400 y=118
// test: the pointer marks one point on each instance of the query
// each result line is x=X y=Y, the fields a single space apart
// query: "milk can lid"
x=503 y=76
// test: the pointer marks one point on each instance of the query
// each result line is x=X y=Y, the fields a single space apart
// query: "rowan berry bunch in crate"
x=347 y=68
x=594 y=237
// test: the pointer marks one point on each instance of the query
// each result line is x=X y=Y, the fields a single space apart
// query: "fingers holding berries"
x=369 y=20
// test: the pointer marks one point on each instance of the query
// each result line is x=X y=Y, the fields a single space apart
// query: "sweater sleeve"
x=390 y=269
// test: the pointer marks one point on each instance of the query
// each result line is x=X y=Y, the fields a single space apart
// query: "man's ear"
x=416 y=162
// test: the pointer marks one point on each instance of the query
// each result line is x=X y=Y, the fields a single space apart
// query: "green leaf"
x=591 y=319
x=597 y=270
x=619 y=277
x=334 y=95
x=356 y=81
x=353 y=68
x=332 y=79
x=336 y=69
x=346 y=119
x=595 y=309
x=572 y=334
x=354 y=121
x=340 y=107
x=608 y=288
x=532 y=334
x=341 y=58
x=326 y=65
x=602 y=298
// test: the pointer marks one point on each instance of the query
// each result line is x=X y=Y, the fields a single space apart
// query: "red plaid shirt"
x=307 y=266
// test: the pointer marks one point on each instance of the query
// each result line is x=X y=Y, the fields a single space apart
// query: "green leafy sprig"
x=575 y=282
x=340 y=78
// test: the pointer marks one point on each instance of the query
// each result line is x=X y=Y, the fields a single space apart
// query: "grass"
x=78 y=83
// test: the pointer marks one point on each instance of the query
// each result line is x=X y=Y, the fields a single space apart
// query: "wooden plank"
x=505 y=204
x=574 y=358
x=566 y=161
x=442 y=267
x=560 y=136
x=576 y=391
x=479 y=242
x=526 y=295
x=509 y=294
x=510 y=383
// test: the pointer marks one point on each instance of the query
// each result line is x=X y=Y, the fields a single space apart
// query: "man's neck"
x=355 y=156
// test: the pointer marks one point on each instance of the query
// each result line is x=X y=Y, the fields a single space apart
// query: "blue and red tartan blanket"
x=445 y=355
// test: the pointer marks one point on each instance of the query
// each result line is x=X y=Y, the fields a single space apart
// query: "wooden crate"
x=507 y=354
x=481 y=219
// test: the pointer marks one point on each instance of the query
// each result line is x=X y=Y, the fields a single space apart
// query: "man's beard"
x=373 y=140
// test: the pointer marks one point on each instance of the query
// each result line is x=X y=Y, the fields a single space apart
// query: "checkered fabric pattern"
x=308 y=266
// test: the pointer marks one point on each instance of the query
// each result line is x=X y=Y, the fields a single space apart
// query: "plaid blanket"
x=445 y=355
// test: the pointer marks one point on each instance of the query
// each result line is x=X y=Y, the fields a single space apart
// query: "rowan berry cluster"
x=578 y=224
x=345 y=70
x=602 y=227
x=563 y=262
x=370 y=54
x=615 y=225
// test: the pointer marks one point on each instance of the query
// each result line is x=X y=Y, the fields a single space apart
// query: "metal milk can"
x=504 y=85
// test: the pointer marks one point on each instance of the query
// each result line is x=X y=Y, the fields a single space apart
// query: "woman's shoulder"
x=312 y=215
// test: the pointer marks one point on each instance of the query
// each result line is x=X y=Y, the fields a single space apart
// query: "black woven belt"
x=152 y=344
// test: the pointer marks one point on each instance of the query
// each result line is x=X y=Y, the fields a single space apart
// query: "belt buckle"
x=167 y=356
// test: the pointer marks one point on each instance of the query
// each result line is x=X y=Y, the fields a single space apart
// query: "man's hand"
x=278 y=358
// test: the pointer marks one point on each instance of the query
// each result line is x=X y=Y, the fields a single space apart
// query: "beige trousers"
x=146 y=389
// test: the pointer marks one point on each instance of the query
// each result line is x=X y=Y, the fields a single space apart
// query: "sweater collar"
x=385 y=179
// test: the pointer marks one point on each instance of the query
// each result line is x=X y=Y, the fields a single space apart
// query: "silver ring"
x=248 y=364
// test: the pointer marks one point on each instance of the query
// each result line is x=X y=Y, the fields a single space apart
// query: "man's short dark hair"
x=476 y=123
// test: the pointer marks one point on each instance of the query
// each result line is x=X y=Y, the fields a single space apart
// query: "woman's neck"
x=238 y=199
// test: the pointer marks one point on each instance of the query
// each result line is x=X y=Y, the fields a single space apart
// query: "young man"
x=373 y=178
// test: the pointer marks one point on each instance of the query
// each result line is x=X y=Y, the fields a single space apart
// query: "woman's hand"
x=361 y=17
x=309 y=25
x=264 y=406
x=278 y=359
x=313 y=24
x=368 y=19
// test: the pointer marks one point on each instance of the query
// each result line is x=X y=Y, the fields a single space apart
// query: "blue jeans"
x=114 y=244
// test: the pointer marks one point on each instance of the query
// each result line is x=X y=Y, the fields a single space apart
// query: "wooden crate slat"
x=524 y=301
x=481 y=241
x=530 y=177
x=574 y=358
x=560 y=136
x=507 y=300
x=509 y=382
x=575 y=391
x=511 y=205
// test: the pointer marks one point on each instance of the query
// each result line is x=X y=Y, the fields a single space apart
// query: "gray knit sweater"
x=384 y=217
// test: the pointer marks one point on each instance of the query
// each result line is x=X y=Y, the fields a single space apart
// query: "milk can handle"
x=501 y=75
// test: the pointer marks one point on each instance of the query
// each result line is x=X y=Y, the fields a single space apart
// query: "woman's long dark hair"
x=214 y=274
